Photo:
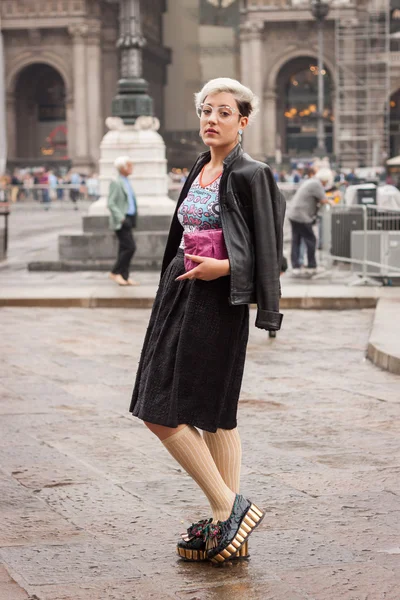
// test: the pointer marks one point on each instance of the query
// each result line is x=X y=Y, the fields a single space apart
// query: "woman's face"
x=220 y=120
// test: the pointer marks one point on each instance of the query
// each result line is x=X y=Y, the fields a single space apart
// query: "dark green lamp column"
x=132 y=100
x=320 y=10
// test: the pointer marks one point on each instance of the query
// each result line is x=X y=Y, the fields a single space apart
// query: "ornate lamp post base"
x=132 y=100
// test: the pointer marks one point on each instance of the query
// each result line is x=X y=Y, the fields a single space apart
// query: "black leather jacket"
x=252 y=213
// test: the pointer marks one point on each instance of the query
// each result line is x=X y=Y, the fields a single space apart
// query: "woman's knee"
x=161 y=431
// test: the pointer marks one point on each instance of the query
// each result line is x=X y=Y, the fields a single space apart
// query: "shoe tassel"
x=212 y=532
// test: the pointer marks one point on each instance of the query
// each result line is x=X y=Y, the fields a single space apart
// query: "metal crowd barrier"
x=366 y=237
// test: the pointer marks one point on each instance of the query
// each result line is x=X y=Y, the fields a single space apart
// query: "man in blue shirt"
x=123 y=214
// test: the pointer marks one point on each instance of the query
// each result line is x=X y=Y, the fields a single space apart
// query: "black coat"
x=252 y=215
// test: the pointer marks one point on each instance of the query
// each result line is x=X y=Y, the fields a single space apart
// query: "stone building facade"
x=61 y=69
x=279 y=49
x=207 y=46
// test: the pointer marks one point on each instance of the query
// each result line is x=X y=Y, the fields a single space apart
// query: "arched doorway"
x=41 y=124
x=297 y=92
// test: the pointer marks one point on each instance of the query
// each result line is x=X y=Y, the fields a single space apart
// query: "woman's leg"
x=296 y=241
x=226 y=449
x=189 y=449
x=311 y=243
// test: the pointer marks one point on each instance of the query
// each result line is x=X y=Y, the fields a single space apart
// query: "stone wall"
x=78 y=39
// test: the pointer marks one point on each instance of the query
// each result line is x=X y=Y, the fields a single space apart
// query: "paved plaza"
x=91 y=504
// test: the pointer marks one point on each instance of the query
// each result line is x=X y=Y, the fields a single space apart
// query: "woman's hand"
x=207 y=269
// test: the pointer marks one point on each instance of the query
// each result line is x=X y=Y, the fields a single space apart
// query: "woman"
x=191 y=367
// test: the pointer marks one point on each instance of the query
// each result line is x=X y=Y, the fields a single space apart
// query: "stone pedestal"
x=96 y=247
x=149 y=179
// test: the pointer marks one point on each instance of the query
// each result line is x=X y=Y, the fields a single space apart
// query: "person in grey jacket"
x=302 y=214
x=123 y=214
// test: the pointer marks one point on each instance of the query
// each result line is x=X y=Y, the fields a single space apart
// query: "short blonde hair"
x=247 y=101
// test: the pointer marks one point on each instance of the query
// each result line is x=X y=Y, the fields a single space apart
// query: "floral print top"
x=200 y=209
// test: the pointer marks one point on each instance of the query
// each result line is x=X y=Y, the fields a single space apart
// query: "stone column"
x=94 y=78
x=71 y=145
x=11 y=125
x=3 y=134
x=245 y=60
x=251 y=41
x=80 y=132
x=269 y=123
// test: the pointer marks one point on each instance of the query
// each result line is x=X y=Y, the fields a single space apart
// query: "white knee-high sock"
x=191 y=452
x=226 y=449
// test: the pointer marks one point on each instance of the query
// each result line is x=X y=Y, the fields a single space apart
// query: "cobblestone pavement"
x=91 y=504
x=33 y=232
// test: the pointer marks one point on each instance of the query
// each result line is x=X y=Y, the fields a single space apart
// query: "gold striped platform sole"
x=250 y=521
x=192 y=555
x=200 y=555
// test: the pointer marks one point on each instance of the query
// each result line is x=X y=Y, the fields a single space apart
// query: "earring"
x=240 y=135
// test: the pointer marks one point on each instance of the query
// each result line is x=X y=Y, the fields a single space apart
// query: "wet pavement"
x=91 y=504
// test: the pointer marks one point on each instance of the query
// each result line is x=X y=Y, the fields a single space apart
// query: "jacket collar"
x=233 y=155
x=202 y=159
x=228 y=160
x=121 y=182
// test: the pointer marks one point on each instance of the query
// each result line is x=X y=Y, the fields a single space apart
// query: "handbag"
x=205 y=242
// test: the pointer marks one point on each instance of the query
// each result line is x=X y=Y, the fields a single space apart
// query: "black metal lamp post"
x=132 y=99
x=320 y=11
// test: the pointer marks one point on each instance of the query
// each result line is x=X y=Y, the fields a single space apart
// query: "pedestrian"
x=190 y=371
x=123 y=208
x=351 y=178
x=44 y=186
x=93 y=187
x=36 y=191
x=3 y=188
x=389 y=179
x=75 y=181
x=15 y=186
x=53 y=183
x=302 y=213
x=185 y=173
x=60 y=188
x=82 y=188
x=28 y=182
x=296 y=177
x=283 y=177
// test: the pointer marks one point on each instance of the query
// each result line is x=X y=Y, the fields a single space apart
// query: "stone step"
x=104 y=245
x=137 y=264
x=97 y=223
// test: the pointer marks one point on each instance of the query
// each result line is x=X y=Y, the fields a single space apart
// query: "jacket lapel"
x=122 y=186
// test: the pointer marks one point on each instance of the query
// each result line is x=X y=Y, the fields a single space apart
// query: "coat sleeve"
x=268 y=213
x=112 y=204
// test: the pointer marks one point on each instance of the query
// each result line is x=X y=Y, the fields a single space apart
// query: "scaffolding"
x=363 y=85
